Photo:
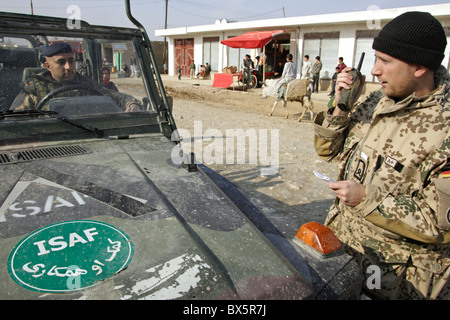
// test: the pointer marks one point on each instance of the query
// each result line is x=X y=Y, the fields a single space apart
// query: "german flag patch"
x=446 y=174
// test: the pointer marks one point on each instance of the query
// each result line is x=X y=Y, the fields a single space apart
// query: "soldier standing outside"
x=393 y=151
x=61 y=71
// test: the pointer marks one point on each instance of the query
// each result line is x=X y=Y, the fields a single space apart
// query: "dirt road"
x=204 y=114
x=293 y=190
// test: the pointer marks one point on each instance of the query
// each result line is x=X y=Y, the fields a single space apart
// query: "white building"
x=329 y=36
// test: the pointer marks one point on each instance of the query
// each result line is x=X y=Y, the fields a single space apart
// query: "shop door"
x=184 y=54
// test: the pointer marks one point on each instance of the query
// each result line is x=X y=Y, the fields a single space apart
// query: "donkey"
x=296 y=90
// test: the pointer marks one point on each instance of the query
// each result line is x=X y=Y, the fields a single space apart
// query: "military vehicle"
x=94 y=206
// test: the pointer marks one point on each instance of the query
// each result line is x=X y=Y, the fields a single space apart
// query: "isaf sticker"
x=69 y=256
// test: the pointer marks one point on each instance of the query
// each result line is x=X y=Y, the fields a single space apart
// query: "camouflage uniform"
x=400 y=153
x=39 y=85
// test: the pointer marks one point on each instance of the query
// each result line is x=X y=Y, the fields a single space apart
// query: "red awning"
x=252 y=40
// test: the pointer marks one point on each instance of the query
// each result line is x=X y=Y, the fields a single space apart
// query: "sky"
x=180 y=13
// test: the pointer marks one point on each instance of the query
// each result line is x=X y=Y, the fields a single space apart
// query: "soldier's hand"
x=133 y=107
x=343 y=81
x=351 y=193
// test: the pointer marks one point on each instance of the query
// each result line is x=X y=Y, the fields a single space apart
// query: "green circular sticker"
x=69 y=256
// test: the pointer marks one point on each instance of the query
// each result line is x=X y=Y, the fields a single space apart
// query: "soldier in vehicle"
x=61 y=71
x=393 y=206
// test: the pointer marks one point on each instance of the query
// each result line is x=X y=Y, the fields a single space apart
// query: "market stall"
x=253 y=40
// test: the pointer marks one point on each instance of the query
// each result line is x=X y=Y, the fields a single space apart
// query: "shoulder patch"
x=28 y=85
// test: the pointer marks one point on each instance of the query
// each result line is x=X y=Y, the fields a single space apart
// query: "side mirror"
x=145 y=102
x=170 y=101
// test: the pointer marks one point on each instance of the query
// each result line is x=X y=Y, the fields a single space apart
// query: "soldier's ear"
x=47 y=65
x=419 y=70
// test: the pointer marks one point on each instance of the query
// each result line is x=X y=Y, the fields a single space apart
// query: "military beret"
x=56 y=48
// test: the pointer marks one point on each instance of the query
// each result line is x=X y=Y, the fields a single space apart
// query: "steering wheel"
x=65 y=88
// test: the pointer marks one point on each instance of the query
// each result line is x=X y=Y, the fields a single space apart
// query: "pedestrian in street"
x=107 y=83
x=192 y=69
x=316 y=74
x=133 y=66
x=341 y=65
x=289 y=73
x=333 y=81
x=306 y=68
x=247 y=67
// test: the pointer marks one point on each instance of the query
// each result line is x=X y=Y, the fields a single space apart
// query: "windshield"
x=62 y=83
x=70 y=76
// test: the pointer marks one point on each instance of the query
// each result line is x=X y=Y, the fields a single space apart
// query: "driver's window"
x=112 y=63
x=16 y=56
x=120 y=69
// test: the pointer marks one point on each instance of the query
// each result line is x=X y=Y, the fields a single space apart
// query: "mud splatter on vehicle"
x=93 y=204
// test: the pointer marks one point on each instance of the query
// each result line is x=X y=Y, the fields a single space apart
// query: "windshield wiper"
x=98 y=132
x=26 y=113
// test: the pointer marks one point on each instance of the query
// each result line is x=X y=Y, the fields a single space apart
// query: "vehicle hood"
x=187 y=239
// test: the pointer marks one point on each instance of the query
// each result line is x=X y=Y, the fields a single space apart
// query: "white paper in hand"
x=323 y=177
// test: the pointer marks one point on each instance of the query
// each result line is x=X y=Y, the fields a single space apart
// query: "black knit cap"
x=414 y=37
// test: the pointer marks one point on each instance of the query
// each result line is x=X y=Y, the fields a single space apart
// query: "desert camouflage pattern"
x=399 y=152
x=39 y=85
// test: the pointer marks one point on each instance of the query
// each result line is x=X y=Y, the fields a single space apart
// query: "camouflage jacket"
x=39 y=85
x=400 y=152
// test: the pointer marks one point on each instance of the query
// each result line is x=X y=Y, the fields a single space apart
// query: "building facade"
x=329 y=36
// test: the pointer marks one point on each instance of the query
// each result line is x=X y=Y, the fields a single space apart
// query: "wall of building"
x=158 y=51
x=352 y=35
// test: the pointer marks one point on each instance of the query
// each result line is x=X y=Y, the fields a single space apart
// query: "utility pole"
x=165 y=23
x=165 y=55
x=31 y=5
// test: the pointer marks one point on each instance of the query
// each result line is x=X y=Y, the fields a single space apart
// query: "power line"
x=220 y=11
x=227 y=11
x=95 y=4
x=107 y=4
x=265 y=13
